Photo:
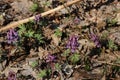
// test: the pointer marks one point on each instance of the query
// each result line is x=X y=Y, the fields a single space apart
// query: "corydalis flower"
x=12 y=36
x=11 y=75
x=95 y=39
x=50 y=58
x=76 y=20
x=37 y=18
x=73 y=43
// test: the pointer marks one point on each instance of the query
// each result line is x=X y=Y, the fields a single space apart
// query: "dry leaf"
x=28 y=71
x=86 y=42
x=42 y=52
x=56 y=39
x=22 y=6
x=118 y=18
x=103 y=78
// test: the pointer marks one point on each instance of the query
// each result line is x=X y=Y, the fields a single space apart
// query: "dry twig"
x=113 y=64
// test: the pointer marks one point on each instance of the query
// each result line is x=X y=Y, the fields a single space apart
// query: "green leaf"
x=57 y=66
x=22 y=27
x=21 y=30
x=47 y=3
x=34 y=7
x=39 y=37
x=58 y=33
x=34 y=64
x=105 y=35
x=87 y=67
x=66 y=53
x=42 y=73
x=111 y=22
x=29 y=33
x=74 y=58
x=112 y=45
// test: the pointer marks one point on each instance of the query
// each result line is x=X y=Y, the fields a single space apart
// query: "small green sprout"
x=34 y=7
x=39 y=37
x=105 y=35
x=42 y=73
x=87 y=67
x=66 y=53
x=47 y=3
x=57 y=66
x=34 y=64
x=21 y=30
x=87 y=64
x=29 y=33
x=58 y=33
x=74 y=58
x=112 y=45
x=116 y=68
x=111 y=22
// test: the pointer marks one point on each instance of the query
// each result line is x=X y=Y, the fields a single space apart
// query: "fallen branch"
x=17 y=23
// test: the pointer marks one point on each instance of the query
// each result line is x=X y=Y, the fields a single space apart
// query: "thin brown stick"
x=17 y=23
x=113 y=64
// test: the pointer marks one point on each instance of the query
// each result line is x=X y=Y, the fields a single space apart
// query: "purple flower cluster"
x=37 y=18
x=73 y=43
x=11 y=75
x=12 y=36
x=50 y=58
x=95 y=39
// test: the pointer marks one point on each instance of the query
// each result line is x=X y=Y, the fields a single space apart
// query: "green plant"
x=47 y=3
x=57 y=66
x=26 y=30
x=87 y=64
x=66 y=53
x=112 y=45
x=34 y=64
x=34 y=7
x=116 y=68
x=44 y=73
x=29 y=33
x=111 y=22
x=104 y=35
x=21 y=30
x=58 y=33
x=74 y=58
x=87 y=67
x=39 y=37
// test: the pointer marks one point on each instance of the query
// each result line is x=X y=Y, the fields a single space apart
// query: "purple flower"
x=73 y=43
x=95 y=39
x=76 y=20
x=11 y=75
x=50 y=58
x=12 y=36
x=37 y=18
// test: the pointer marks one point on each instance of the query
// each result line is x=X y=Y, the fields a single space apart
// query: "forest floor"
x=79 y=42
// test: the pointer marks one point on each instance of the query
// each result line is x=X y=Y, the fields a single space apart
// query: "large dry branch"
x=17 y=23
